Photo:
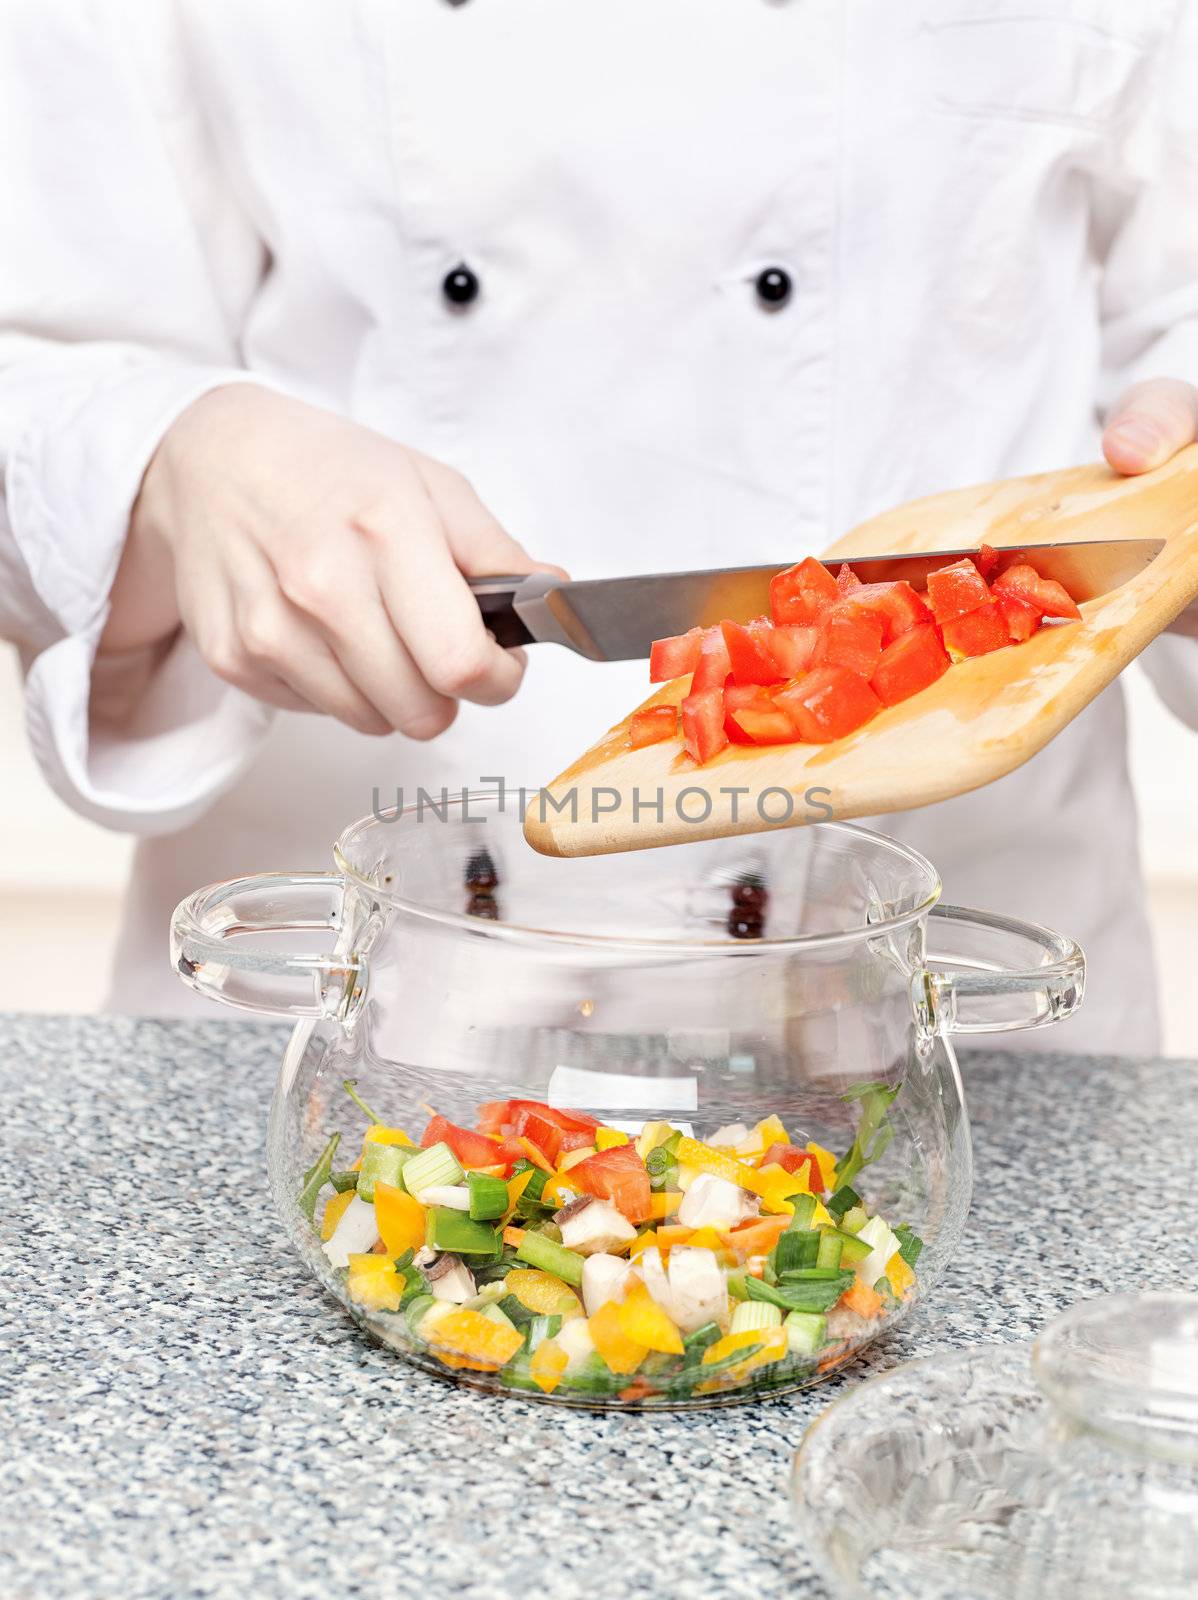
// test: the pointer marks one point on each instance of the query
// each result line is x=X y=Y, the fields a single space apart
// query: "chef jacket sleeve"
x=125 y=272
x=1147 y=209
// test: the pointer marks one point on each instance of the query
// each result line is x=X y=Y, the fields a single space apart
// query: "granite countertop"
x=186 y=1413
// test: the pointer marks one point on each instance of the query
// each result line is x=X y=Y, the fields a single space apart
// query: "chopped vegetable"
x=721 y=1276
x=836 y=651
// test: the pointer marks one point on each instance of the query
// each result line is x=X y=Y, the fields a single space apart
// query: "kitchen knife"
x=617 y=619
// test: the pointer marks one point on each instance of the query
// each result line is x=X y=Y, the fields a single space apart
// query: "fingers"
x=429 y=605
x=1151 y=423
x=481 y=546
x=251 y=637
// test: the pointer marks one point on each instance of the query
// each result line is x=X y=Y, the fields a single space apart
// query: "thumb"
x=1151 y=423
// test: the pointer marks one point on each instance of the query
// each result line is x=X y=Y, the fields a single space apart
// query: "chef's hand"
x=316 y=564
x=1151 y=423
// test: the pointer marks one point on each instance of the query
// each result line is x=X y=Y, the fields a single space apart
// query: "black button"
x=460 y=286
x=773 y=286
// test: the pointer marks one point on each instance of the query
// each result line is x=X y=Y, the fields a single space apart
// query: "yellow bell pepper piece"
x=900 y=1276
x=548 y=1363
x=400 y=1219
x=573 y=1157
x=773 y=1344
x=609 y=1138
x=335 y=1207
x=642 y=1242
x=644 y=1322
x=770 y=1131
x=516 y=1187
x=373 y=1282
x=706 y=1158
x=470 y=1334
x=542 y=1292
x=821 y=1217
x=663 y=1204
x=621 y=1353
x=559 y=1190
x=827 y=1164
x=377 y=1133
x=705 y=1239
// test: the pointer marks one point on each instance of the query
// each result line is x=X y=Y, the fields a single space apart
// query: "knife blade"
x=617 y=619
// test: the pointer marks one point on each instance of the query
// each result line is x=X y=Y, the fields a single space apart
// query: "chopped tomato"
x=896 y=605
x=539 y=1130
x=618 y=1175
x=791 y=646
x=749 y=656
x=956 y=589
x=652 y=725
x=471 y=1149
x=576 y=1139
x=986 y=560
x=847 y=580
x=1021 y=620
x=914 y=660
x=670 y=658
x=703 y=724
x=849 y=639
x=791 y=1158
x=713 y=666
x=499 y=1116
x=802 y=593
x=828 y=703
x=751 y=710
x=1045 y=595
x=977 y=632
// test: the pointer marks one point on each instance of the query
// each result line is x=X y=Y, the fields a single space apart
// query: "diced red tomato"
x=750 y=657
x=914 y=660
x=652 y=725
x=1045 y=595
x=956 y=589
x=499 y=1116
x=539 y=1130
x=986 y=560
x=977 y=632
x=714 y=665
x=471 y=1148
x=847 y=580
x=802 y=593
x=851 y=639
x=1021 y=620
x=791 y=647
x=703 y=724
x=618 y=1175
x=791 y=1158
x=751 y=710
x=897 y=606
x=828 y=703
x=670 y=658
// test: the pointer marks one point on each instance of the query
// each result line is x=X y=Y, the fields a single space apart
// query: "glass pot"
x=680 y=998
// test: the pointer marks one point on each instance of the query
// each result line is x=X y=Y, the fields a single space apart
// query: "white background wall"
x=60 y=876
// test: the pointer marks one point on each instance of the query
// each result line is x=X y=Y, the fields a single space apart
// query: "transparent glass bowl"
x=1018 y=1472
x=444 y=965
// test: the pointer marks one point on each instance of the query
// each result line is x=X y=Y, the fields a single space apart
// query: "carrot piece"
x=513 y=1236
x=756 y=1238
x=663 y=1204
x=535 y=1156
x=859 y=1297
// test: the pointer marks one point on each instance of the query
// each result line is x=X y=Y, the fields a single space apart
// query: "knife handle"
x=495 y=596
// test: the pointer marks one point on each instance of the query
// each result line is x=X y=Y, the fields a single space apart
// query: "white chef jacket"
x=988 y=214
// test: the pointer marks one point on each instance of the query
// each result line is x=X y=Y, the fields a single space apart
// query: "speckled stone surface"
x=186 y=1413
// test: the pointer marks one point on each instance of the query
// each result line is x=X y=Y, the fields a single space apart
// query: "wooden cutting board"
x=982 y=719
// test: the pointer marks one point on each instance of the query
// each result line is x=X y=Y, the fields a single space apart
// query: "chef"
x=308 y=309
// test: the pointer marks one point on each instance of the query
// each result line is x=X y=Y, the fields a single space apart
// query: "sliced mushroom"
x=713 y=1202
x=450 y=1278
x=589 y=1225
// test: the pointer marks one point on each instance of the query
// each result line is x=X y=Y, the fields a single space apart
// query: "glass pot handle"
x=221 y=945
x=986 y=973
